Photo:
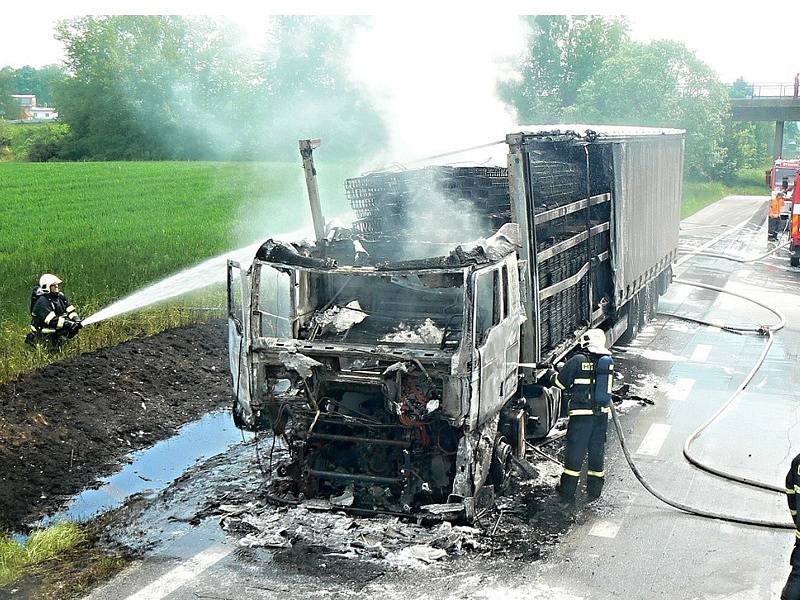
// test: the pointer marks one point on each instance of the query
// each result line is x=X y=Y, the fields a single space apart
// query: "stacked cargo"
x=398 y=204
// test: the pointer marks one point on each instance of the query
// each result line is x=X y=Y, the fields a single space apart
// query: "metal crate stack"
x=555 y=183
x=563 y=312
x=393 y=203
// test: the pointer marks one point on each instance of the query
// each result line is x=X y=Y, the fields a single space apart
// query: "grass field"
x=109 y=229
x=699 y=194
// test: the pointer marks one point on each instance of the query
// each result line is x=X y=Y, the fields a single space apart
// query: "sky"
x=734 y=42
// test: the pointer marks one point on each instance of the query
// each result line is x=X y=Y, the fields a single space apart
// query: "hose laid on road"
x=765 y=330
x=768 y=330
x=734 y=258
x=685 y=507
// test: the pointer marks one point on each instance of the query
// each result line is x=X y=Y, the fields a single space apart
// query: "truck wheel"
x=652 y=301
x=795 y=261
x=633 y=322
x=644 y=307
x=500 y=471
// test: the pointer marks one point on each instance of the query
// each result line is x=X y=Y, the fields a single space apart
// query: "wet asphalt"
x=628 y=544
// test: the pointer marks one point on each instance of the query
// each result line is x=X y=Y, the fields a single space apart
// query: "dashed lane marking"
x=187 y=570
x=681 y=390
x=652 y=442
x=606 y=529
x=701 y=353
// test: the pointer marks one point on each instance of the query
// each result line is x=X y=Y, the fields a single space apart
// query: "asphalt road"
x=628 y=544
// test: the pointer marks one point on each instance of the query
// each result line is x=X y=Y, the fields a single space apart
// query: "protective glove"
x=72 y=328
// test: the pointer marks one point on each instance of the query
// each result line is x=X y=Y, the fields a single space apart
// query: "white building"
x=29 y=111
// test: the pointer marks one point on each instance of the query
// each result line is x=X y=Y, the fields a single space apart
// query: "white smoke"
x=434 y=78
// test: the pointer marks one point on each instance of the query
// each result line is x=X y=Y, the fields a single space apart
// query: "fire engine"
x=794 y=235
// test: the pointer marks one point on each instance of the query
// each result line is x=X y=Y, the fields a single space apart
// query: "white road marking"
x=652 y=442
x=701 y=353
x=679 y=293
x=710 y=243
x=605 y=529
x=680 y=391
x=189 y=569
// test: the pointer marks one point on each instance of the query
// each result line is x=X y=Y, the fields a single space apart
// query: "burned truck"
x=398 y=359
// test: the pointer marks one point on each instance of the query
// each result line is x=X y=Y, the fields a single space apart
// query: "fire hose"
x=767 y=330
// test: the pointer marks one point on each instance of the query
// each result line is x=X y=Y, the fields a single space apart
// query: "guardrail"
x=765 y=90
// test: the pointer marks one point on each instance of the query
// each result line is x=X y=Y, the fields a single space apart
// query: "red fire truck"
x=794 y=235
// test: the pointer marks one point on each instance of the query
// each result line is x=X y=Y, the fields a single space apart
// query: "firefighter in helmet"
x=53 y=318
x=585 y=380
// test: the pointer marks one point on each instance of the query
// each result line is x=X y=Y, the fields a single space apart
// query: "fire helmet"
x=46 y=280
x=594 y=340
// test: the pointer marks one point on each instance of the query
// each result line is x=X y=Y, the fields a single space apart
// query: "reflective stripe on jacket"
x=50 y=311
x=576 y=379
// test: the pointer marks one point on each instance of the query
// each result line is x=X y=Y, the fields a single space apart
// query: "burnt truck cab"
x=386 y=378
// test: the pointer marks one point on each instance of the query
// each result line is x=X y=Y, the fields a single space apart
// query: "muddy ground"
x=63 y=427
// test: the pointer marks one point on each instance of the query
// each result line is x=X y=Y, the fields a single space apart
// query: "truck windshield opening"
x=411 y=309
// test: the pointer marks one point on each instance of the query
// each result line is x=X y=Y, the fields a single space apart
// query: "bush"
x=46 y=143
x=39 y=142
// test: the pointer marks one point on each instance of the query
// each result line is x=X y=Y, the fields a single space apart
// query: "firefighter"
x=774 y=225
x=791 y=591
x=53 y=318
x=585 y=380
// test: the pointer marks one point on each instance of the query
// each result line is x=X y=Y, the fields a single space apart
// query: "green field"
x=109 y=229
x=699 y=194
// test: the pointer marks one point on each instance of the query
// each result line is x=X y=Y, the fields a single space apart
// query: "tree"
x=39 y=82
x=150 y=87
x=307 y=91
x=9 y=107
x=663 y=84
x=563 y=53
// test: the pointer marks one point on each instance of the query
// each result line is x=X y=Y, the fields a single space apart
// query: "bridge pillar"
x=778 y=139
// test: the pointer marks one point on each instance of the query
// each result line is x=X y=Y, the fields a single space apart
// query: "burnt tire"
x=652 y=300
x=633 y=322
x=502 y=465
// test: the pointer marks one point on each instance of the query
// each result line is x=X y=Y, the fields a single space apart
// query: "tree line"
x=172 y=87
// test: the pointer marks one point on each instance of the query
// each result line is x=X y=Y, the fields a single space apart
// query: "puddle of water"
x=154 y=468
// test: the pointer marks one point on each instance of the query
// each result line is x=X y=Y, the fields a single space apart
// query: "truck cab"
x=385 y=378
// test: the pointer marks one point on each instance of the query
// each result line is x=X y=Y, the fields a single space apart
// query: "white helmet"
x=46 y=280
x=594 y=340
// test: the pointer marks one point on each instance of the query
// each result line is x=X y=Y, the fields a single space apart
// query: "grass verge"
x=58 y=563
x=699 y=194
x=42 y=545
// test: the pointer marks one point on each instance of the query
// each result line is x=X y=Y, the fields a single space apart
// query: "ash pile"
x=380 y=538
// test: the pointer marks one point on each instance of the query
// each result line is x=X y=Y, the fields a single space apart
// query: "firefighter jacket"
x=792 y=490
x=586 y=382
x=775 y=206
x=50 y=311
